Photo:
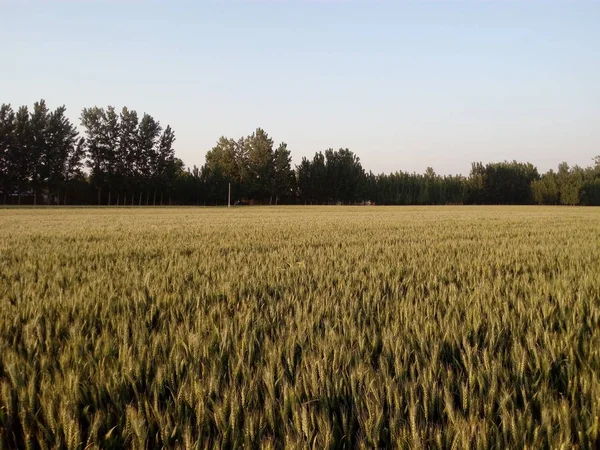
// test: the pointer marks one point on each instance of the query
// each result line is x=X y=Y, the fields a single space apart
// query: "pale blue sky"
x=405 y=85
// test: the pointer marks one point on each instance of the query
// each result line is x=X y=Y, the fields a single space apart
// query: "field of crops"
x=325 y=327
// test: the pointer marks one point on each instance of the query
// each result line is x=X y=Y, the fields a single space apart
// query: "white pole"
x=229 y=197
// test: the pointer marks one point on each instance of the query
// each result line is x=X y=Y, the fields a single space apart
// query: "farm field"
x=300 y=327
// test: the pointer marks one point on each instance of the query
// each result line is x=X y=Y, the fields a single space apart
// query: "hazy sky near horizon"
x=403 y=84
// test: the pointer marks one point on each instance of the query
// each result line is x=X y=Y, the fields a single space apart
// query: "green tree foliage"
x=318 y=176
x=64 y=153
x=223 y=167
x=344 y=176
x=167 y=167
x=93 y=120
x=126 y=160
x=7 y=149
x=591 y=185
x=570 y=181
x=39 y=147
x=336 y=176
x=129 y=157
x=147 y=155
x=259 y=164
x=303 y=181
x=284 y=178
x=545 y=191
x=189 y=185
x=111 y=135
x=127 y=154
x=39 y=153
x=504 y=183
x=19 y=160
x=255 y=171
x=569 y=185
x=591 y=192
x=403 y=188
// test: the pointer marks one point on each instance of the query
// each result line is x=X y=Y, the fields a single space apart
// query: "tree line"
x=124 y=158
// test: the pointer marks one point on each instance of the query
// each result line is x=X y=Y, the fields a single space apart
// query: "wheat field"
x=300 y=327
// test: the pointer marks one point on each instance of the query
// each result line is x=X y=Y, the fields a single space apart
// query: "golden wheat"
x=431 y=327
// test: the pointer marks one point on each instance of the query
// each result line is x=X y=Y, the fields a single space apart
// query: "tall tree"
x=545 y=191
x=40 y=151
x=502 y=183
x=570 y=181
x=344 y=174
x=224 y=166
x=18 y=159
x=303 y=181
x=111 y=136
x=167 y=168
x=226 y=156
x=93 y=120
x=7 y=130
x=313 y=179
x=318 y=178
x=147 y=153
x=126 y=154
x=74 y=175
x=284 y=179
x=64 y=152
x=259 y=162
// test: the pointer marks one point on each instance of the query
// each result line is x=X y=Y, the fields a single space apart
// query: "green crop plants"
x=299 y=327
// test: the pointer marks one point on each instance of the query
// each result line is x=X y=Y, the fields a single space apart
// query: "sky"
x=403 y=84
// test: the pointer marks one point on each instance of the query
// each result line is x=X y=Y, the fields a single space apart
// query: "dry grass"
x=450 y=327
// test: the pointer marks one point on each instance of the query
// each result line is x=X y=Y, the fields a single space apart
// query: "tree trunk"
x=154 y=198
x=118 y=197
x=147 y=198
x=99 y=196
x=161 y=199
x=58 y=198
x=109 y=194
x=141 y=195
x=19 y=201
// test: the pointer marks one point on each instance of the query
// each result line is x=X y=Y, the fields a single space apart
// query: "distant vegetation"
x=125 y=159
x=442 y=328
